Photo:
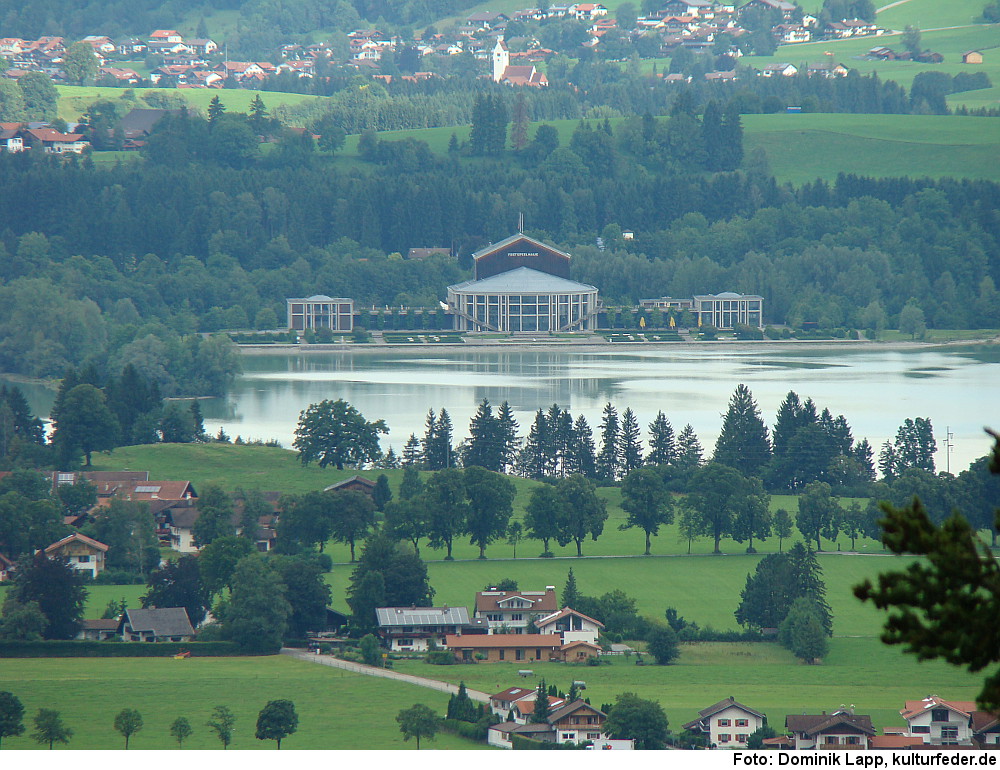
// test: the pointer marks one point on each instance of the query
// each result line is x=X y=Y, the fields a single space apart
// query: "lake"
x=876 y=387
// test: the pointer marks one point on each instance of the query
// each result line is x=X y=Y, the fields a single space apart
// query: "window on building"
x=724 y=737
x=519 y=655
x=724 y=722
x=568 y=736
x=517 y=616
x=939 y=715
x=83 y=559
x=853 y=740
x=920 y=729
x=742 y=722
x=593 y=736
x=949 y=735
x=500 y=654
x=741 y=737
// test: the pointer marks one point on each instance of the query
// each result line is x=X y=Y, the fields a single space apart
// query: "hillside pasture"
x=331 y=703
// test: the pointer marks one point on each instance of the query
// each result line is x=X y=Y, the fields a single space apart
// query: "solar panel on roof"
x=147 y=488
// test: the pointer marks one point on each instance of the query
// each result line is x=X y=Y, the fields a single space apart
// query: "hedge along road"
x=360 y=668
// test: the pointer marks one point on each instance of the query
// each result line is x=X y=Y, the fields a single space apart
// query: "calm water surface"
x=875 y=388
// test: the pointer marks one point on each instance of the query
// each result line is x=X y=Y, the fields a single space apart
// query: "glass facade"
x=724 y=311
x=321 y=312
x=535 y=312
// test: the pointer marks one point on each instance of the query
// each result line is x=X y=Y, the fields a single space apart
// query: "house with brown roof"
x=355 y=483
x=509 y=648
x=985 y=729
x=727 y=724
x=10 y=138
x=939 y=722
x=99 y=630
x=575 y=722
x=81 y=552
x=6 y=568
x=51 y=141
x=417 y=628
x=839 y=730
x=510 y=612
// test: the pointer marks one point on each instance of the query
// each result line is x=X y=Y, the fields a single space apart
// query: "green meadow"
x=331 y=703
x=74 y=100
x=764 y=676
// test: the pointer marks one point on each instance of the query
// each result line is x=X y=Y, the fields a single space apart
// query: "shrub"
x=80 y=649
x=119 y=577
x=440 y=658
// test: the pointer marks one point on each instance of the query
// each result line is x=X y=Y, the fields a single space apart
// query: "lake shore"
x=590 y=345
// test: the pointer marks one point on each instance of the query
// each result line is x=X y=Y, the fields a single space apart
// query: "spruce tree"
x=411 y=485
x=570 y=594
x=629 y=443
x=510 y=442
x=582 y=459
x=412 y=452
x=689 y=451
x=541 y=711
x=608 y=461
x=743 y=443
x=662 y=444
x=531 y=460
x=519 y=127
x=485 y=446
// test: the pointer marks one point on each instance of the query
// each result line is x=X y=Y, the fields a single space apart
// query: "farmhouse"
x=167 y=624
x=81 y=552
x=510 y=612
x=575 y=722
x=355 y=483
x=522 y=285
x=972 y=57
x=939 y=722
x=572 y=626
x=727 y=724
x=839 y=730
x=418 y=628
x=505 y=648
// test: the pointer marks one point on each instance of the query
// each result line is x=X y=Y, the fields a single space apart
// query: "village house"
x=99 y=630
x=939 y=722
x=421 y=628
x=354 y=483
x=787 y=9
x=511 y=612
x=576 y=722
x=972 y=57
x=509 y=648
x=10 y=138
x=166 y=36
x=840 y=730
x=986 y=729
x=54 y=142
x=727 y=724
x=827 y=69
x=783 y=69
x=166 y=624
x=6 y=568
x=81 y=553
x=100 y=44
x=572 y=626
x=514 y=74
x=792 y=33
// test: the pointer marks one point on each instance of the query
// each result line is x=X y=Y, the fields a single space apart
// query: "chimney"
x=550 y=588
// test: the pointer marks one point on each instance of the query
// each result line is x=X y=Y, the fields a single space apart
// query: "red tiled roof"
x=79 y=538
x=564 y=612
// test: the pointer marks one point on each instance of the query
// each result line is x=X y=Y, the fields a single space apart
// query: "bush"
x=119 y=577
x=440 y=658
x=475 y=731
x=772 y=334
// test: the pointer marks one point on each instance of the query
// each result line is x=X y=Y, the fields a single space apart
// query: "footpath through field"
x=360 y=668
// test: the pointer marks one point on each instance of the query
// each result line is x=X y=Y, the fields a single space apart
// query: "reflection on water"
x=875 y=388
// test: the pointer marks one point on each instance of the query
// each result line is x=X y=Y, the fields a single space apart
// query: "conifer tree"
x=689 y=451
x=412 y=452
x=541 y=711
x=743 y=443
x=582 y=459
x=485 y=446
x=509 y=440
x=570 y=594
x=532 y=459
x=662 y=444
x=608 y=461
x=629 y=443
x=519 y=126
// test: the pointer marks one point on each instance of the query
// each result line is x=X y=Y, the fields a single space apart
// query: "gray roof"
x=165 y=621
x=390 y=617
x=514 y=239
x=523 y=280
x=319 y=298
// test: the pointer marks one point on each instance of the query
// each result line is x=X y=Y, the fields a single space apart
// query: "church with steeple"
x=514 y=75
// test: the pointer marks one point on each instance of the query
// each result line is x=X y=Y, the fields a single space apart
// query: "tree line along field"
x=331 y=703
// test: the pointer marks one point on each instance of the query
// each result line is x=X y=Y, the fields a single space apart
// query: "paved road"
x=359 y=668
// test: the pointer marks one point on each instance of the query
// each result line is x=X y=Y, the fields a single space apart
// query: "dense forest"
x=211 y=233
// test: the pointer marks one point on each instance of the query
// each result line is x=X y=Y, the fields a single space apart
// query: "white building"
x=511 y=611
x=725 y=310
x=939 y=722
x=573 y=626
x=320 y=312
x=727 y=724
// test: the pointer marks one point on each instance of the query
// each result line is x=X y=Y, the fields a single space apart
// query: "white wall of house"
x=731 y=727
x=498 y=739
x=183 y=540
x=415 y=644
x=955 y=730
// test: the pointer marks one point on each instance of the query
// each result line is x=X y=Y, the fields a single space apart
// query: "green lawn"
x=928 y=14
x=74 y=100
x=803 y=147
x=331 y=704
x=863 y=672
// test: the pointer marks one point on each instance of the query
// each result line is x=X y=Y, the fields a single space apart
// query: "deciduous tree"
x=180 y=731
x=11 y=715
x=418 y=721
x=223 y=724
x=585 y=512
x=335 y=433
x=647 y=501
x=491 y=498
x=50 y=729
x=128 y=722
x=276 y=721
x=644 y=721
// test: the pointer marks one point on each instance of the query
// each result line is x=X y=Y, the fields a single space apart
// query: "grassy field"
x=928 y=14
x=804 y=147
x=763 y=676
x=268 y=468
x=330 y=703
x=74 y=100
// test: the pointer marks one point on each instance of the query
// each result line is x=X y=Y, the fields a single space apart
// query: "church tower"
x=501 y=60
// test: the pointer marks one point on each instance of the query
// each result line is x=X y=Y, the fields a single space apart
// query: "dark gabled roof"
x=524 y=280
x=101 y=624
x=164 y=621
x=722 y=705
x=361 y=480
x=569 y=708
x=812 y=724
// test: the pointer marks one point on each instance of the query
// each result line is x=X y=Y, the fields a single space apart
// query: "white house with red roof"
x=166 y=36
x=81 y=552
x=727 y=724
x=51 y=141
x=939 y=722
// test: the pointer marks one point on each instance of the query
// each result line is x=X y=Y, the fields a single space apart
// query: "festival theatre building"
x=522 y=285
